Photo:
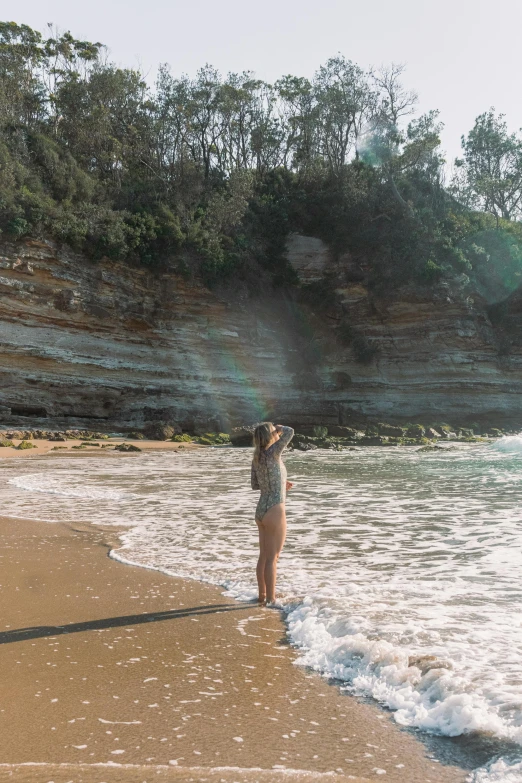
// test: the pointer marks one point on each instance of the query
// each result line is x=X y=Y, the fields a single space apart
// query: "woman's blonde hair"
x=262 y=437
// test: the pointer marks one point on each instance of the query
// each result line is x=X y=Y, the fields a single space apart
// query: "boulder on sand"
x=305 y=446
x=161 y=430
x=389 y=429
x=15 y=435
x=313 y=430
x=338 y=431
x=415 y=431
x=26 y=444
x=374 y=440
x=243 y=436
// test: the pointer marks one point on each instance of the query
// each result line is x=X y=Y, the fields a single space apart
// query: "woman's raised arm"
x=286 y=436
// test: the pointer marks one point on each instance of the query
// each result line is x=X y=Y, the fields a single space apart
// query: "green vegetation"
x=212 y=439
x=26 y=444
x=208 y=175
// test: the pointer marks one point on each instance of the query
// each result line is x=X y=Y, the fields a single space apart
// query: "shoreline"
x=134 y=773
x=120 y=664
x=315 y=723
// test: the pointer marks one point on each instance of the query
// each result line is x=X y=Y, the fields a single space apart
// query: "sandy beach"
x=40 y=447
x=105 y=663
x=156 y=678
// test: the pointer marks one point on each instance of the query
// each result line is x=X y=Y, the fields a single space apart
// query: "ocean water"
x=401 y=576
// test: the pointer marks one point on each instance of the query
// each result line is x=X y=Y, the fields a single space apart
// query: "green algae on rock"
x=26 y=444
x=212 y=439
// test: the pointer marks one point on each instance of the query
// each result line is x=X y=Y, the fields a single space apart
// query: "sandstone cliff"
x=104 y=341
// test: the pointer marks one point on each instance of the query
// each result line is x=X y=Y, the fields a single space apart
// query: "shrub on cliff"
x=431 y=272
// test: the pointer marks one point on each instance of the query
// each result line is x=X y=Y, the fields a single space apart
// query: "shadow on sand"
x=39 y=631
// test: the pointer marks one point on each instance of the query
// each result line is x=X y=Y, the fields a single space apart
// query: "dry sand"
x=64 y=447
x=156 y=678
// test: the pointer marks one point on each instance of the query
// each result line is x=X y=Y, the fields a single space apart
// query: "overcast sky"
x=462 y=56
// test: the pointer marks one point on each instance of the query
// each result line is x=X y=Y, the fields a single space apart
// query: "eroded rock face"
x=309 y=256
x=109 y=346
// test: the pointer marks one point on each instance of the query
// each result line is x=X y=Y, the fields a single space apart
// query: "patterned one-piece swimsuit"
x=269 y=475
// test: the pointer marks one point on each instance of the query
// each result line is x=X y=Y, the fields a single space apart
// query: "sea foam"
x=48 y=485
x=499 y=771
x=509 y=444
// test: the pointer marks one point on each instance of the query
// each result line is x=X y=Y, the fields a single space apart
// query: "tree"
x=345 y=102
x=298 y=111
x=22 y=93
x=395 y=101
x=398 y=153
x=225 y=167
x=490 y=176
x=103 y=121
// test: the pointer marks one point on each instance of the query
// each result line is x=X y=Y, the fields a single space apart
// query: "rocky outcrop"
x=107 y=345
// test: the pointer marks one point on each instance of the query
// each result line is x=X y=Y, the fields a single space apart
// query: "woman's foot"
x=261 y=599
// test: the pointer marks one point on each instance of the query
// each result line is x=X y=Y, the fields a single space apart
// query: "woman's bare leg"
x=260 y=570
x=272 y=533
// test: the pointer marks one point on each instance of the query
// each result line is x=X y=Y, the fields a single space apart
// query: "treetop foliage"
x=212 y=173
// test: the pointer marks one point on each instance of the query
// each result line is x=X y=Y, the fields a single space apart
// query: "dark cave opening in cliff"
x=29 y=411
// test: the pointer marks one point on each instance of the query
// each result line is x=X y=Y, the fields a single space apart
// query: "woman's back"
x=269 y=473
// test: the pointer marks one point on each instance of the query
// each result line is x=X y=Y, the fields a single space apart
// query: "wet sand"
x=104 y=663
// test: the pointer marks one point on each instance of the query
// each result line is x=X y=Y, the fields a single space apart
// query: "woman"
x=269 y=475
